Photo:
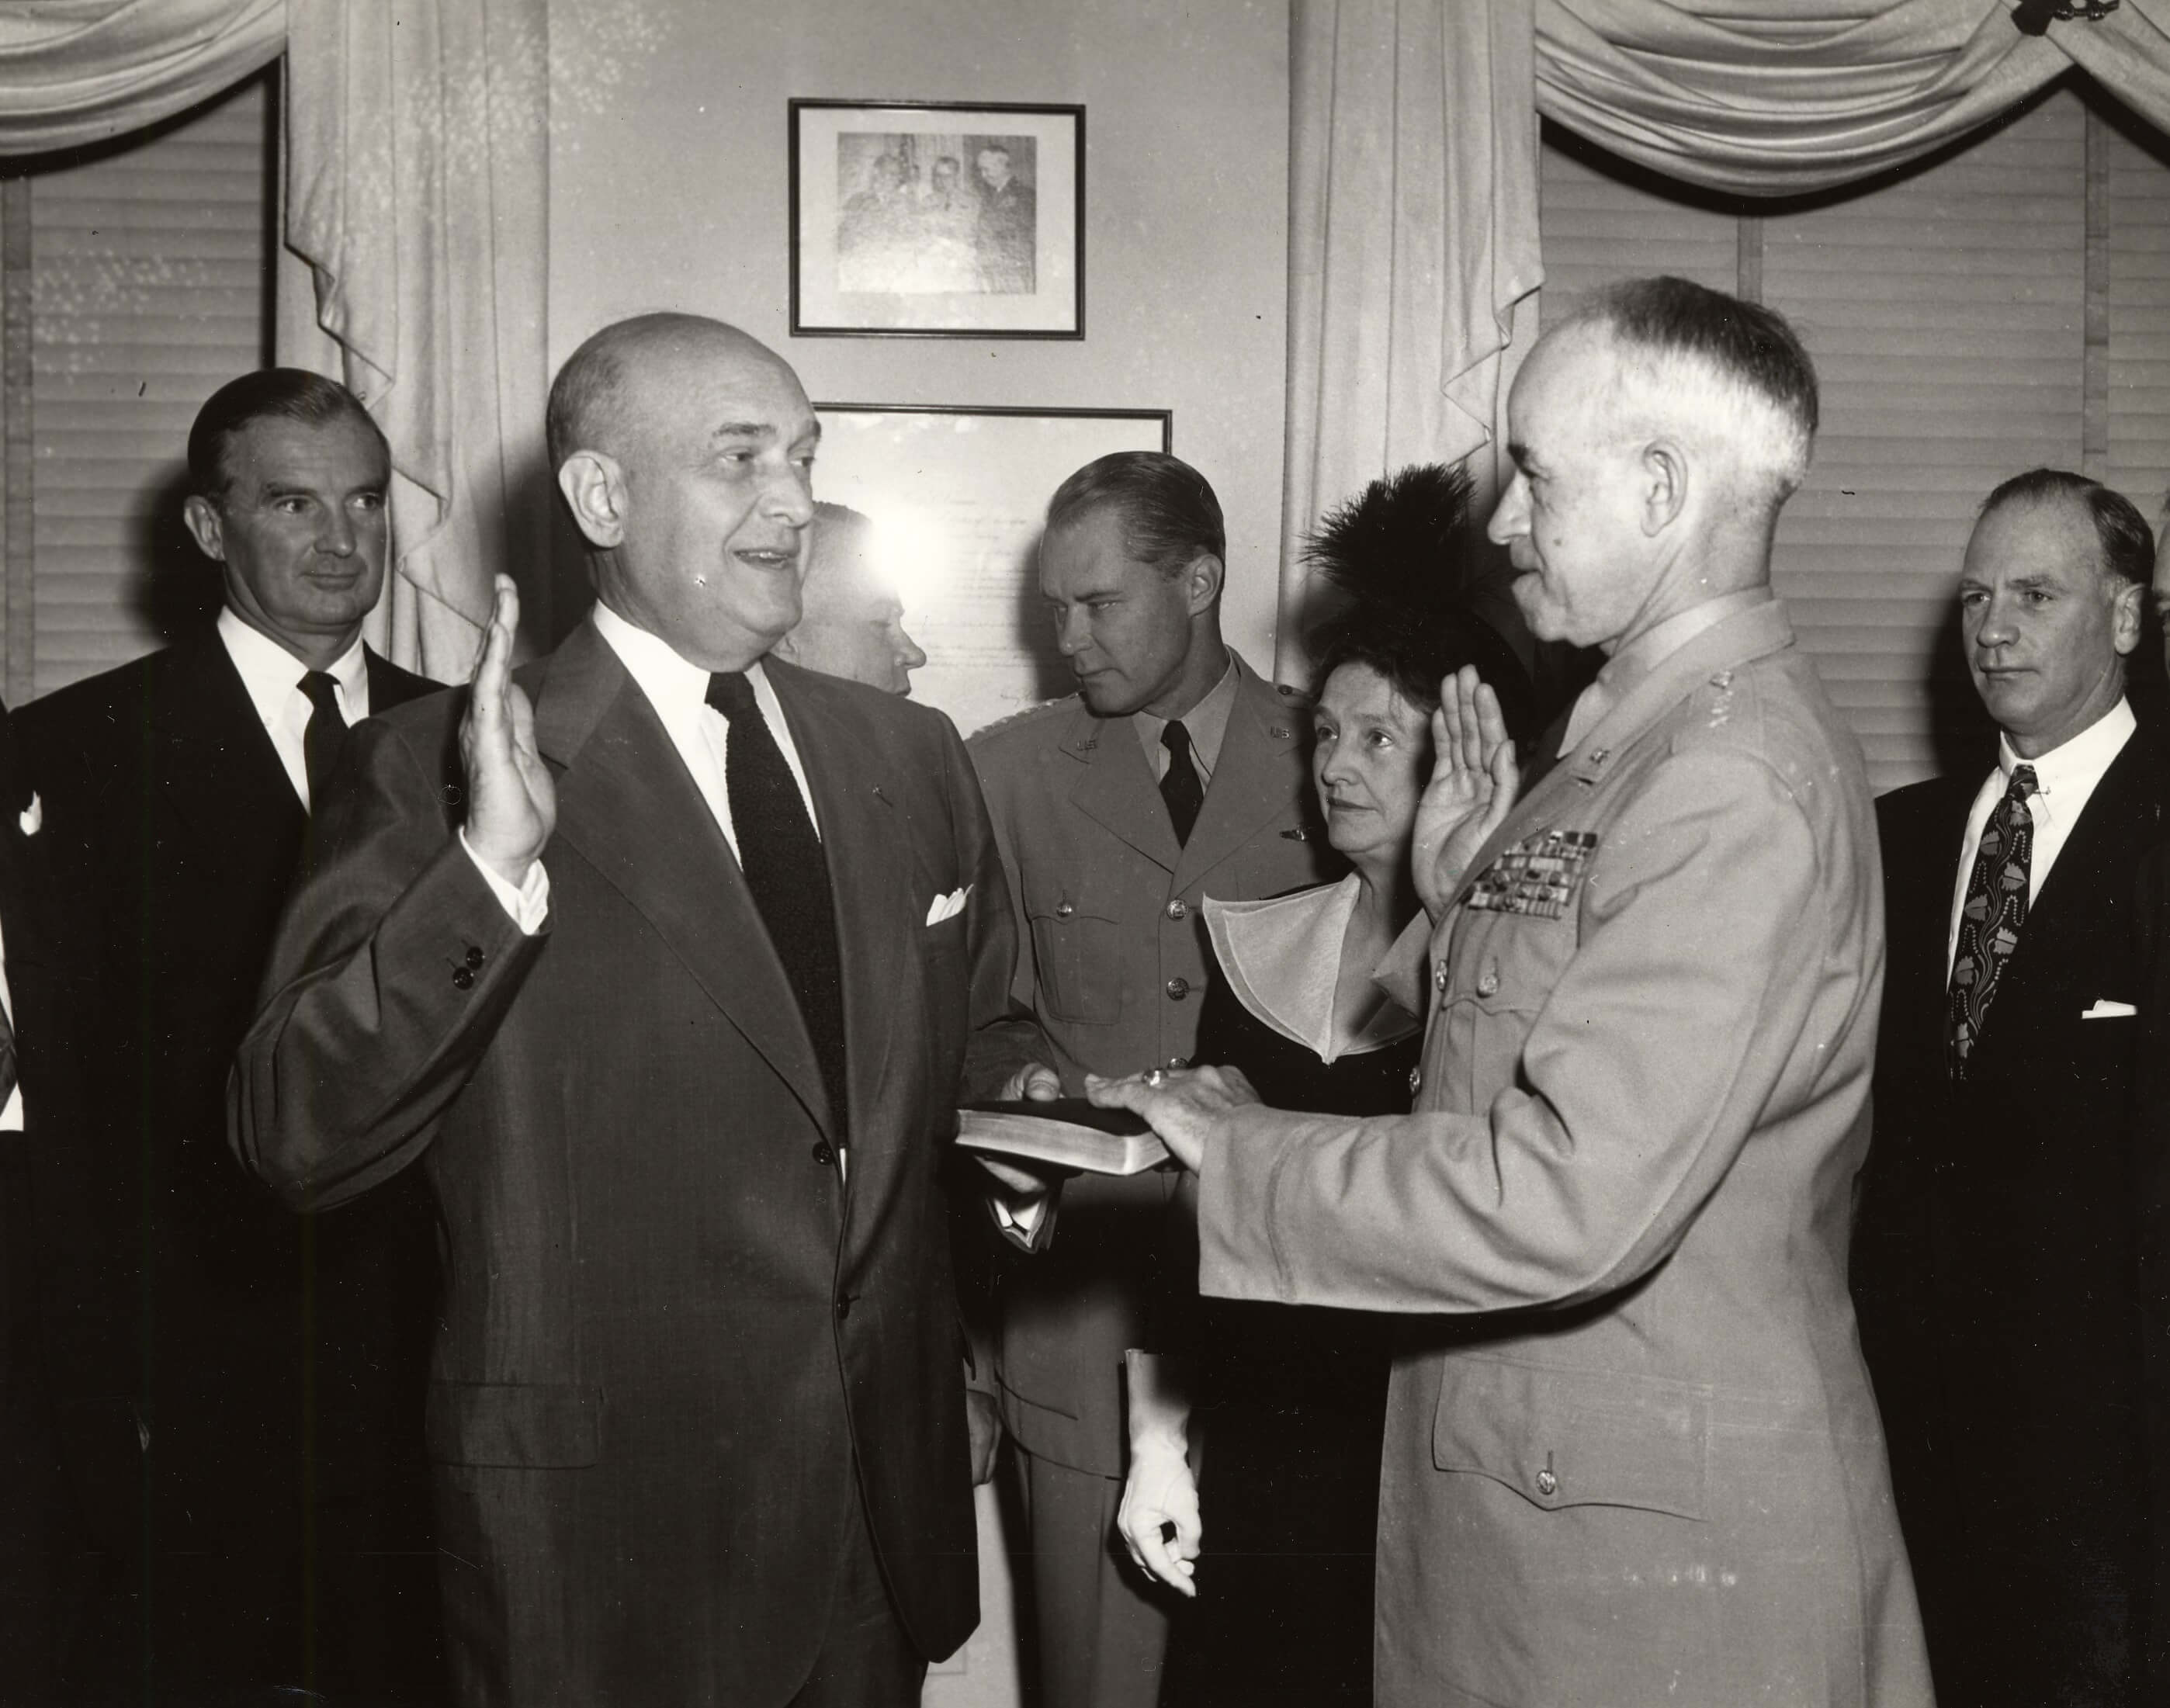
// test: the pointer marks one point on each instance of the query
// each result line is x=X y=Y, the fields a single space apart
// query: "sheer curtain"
x=1414 y=253
x=416 y=229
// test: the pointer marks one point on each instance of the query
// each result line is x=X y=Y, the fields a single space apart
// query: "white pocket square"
x=2104 y=1009
x=947 y=906
x=32 y=816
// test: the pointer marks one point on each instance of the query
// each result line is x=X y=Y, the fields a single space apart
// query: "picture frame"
x=933 y=219
x=955 y=495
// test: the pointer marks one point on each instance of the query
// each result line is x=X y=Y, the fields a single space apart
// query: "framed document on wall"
x=921 y=220
x=956 y=496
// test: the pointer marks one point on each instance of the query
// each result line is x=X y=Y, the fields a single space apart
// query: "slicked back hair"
x=1757 y=384
x=2128 y=543
x=281 y=394
x=1170 y=515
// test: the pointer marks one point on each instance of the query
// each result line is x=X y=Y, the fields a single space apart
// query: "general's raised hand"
x=1474 y=779
x=1183 y=1105
x=513 y=802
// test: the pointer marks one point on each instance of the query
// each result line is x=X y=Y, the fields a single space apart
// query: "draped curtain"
x=416 y=170
x=417 y=194
x=1413 y=209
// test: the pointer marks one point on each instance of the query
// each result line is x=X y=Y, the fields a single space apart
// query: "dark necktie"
x=1989 y=919
x=781 y=856
x=324 y=735
x=1179 y=785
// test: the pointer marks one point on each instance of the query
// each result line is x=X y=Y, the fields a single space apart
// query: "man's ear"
x=2124 y=616
x=1664 y=485
x=1202 y=582
x=594 y=487
x=206 y=525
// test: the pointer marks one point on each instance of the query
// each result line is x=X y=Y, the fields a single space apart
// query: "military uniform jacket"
x=1632 y=1455
x=1113 y=962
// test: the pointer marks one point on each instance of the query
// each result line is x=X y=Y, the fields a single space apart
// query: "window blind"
x=149 y=290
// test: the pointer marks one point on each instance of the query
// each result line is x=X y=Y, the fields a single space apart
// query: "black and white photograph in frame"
x=920 y=219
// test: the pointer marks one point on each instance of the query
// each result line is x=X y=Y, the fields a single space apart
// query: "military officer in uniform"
x=1175 y=772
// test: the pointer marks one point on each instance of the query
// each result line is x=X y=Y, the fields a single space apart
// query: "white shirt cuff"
x=1023 y=1218
x=529 y=903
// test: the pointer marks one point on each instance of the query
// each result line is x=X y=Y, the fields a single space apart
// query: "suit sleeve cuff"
x=527 y=905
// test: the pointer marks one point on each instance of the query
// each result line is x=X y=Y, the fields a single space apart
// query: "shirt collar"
x=2076 y=765
x=1205 y=723
x=270 y=673
x=676 y=689
x=1642 y=655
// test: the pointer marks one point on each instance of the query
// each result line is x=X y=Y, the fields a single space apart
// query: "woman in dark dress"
x=1280 y=1407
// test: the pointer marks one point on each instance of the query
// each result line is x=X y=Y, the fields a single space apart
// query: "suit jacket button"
x=474 y=957
x=1548 y=1484
x=823 y=1156
x=463 y=977
x=1178 y=988
x=1176 y=909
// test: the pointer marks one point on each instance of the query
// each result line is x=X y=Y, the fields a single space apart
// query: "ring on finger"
x=1155 y=1078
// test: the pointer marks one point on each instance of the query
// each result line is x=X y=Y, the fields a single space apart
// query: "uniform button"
x=474 y=957
x=1439 y=975
x=1178 y=988
x=463 y=977
x=1488 y=984
x=1416 y=1079
x=1063 y=909
x=1177 y=1063
x=1548 y=1484
x=1176 y=909
x=843 y=1307
x=823 y=1156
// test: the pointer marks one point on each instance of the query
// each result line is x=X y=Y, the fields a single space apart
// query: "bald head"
x=602 y=393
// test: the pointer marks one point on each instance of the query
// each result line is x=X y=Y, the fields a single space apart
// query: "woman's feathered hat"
x=1406 y=558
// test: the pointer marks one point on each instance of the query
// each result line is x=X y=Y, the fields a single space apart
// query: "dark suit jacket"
x=1996 y=1257
x=677 y=1346
x=178 y=1288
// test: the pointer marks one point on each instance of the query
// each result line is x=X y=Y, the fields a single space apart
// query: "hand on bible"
x=1182 y=1105
x=512 y=803
x=1473 y=780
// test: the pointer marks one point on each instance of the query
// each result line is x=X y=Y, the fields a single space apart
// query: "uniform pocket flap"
x=1575 y=1437
x=533 y=1425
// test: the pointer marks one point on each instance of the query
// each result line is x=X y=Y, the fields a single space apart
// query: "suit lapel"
x=627 y=805
x=1253 y=779
x=1116 y=788
x=859 y=823
x=2074 y=917
x=216 y=767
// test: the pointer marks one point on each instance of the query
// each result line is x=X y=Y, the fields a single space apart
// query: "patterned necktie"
x=324 y=734
x=785 y=869
x=1995 y=909
x=1179 y=785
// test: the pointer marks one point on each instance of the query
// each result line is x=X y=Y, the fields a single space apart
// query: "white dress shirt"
x=273 y=677
x=679 y=692
x=2064 y=779
x=11 y=1114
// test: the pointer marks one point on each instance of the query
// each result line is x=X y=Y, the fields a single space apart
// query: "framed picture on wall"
x=919 y=219
x=954 y=497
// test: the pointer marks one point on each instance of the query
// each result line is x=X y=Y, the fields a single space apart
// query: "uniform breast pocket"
x=1484 y=1038
x=1077 y=952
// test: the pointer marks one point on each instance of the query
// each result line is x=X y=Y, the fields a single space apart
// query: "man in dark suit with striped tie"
x=1996 y=1262
x=239 y=1390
